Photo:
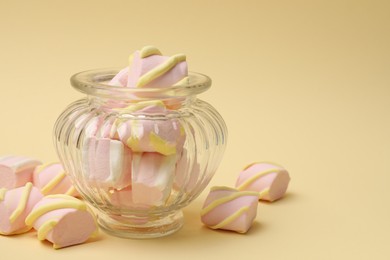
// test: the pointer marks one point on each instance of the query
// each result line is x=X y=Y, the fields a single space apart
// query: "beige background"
x=301 y=83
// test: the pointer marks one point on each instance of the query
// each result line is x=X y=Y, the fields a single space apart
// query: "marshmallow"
x=122 y=198
x=153 y=176
x=152 y=182
x=15 y=205
x=16 y=171
x=165 y=136
x=120 y=79
x=52 y=179
x=269 y=179
x=230 y=209
x=62 y=220
x=149 y=69
x=105 y=129
x=97 y=126
x=107 y=162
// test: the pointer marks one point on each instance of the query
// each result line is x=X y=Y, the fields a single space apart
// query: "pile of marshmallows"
x=41 y=196
x=235 y=209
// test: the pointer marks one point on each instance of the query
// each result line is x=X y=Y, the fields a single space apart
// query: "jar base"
x=141 y=227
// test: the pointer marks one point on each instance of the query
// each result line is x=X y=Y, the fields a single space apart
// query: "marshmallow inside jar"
x=141 y=145
x=137 y=156
x=145 y=139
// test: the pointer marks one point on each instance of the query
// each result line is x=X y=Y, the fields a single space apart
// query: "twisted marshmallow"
x=15 y=205
x=62 y=220
x=149 y=69
x=230 y=209
x=269 y=179
x=144 y=135
x=51 y=179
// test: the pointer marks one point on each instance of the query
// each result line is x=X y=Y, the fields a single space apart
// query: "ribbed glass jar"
x=138 y=156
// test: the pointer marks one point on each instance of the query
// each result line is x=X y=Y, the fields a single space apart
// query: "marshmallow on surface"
x=269 y=179
x=230 y=209
x=51 y=179
x=62 y=220
x=16 y=171
x=15 y=205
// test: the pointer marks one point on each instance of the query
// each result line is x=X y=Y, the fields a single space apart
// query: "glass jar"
x=138 y=156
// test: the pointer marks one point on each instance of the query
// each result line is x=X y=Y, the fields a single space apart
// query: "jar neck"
x=108 y=104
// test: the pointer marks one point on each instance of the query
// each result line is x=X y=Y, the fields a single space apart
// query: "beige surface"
x=302 y=83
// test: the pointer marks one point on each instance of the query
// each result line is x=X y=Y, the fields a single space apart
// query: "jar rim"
x=95 y=82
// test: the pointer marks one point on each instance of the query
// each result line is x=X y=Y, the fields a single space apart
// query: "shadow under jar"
x=138 y=156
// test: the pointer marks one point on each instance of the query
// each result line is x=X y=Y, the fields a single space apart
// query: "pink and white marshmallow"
x=51 y=178
x=107 y=162
x=16 y=171
x=152 y=178
x=230 y=209
x=148 y=68
x=15 y=205
x=62 y=220
x=166 y=136
x=269 y=179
